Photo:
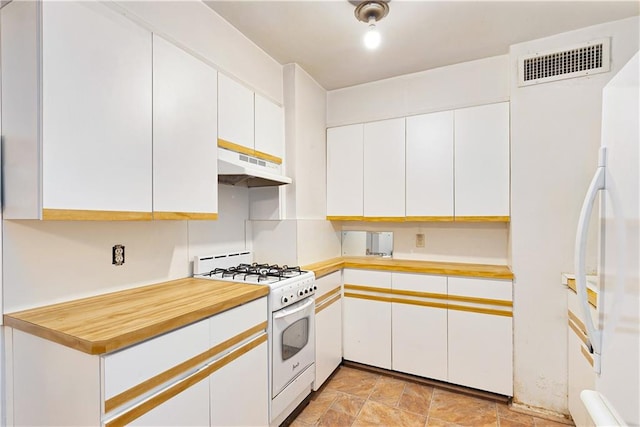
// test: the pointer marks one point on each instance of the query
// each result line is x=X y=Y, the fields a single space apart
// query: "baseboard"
x=541 y=413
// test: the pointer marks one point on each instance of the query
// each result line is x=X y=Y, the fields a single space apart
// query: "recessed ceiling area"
x=325 y=37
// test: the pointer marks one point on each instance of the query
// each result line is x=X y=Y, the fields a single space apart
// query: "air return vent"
x=575 y=61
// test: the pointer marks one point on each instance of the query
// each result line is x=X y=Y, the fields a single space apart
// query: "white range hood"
x=248 y=171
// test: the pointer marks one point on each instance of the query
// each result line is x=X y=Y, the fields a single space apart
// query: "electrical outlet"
x=420 y=240
x=117 y=255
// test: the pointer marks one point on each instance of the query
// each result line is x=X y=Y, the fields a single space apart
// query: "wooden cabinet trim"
x=248 y=151
x=586 y=355
x=335 y=291
x=91 y=215
x=483 y=305
x=420 y=218
x=328 y=303
x=480 y=310
x=482 y=219
x=592 y=296
x=173 y=390
x=148 y=385
x=344 y=218
x=185 y=215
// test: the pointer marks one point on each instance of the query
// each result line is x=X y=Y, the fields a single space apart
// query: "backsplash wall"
x=48 y=261
x=483 y=243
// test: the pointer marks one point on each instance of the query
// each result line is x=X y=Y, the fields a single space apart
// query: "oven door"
x=293 y=342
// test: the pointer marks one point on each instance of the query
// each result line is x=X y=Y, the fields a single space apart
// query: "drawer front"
x=233 y=323
x=328 y=283
x=133 y=365
x=419 y=283
x=377 y=279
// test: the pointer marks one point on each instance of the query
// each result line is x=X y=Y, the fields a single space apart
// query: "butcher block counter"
x=109 y=322
x=411 y=266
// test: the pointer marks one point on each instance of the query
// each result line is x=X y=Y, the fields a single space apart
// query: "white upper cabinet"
x=235 y=113
x=345 y=171
x=384 y=168
x=185 y=167
x=76 y=112
x=269 y=128
x=482 y=161
x=429 y=162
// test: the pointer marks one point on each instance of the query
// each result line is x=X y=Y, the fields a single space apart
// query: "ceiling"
x=325 y=38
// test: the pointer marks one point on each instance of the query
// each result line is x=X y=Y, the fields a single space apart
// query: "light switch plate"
x=420 y=240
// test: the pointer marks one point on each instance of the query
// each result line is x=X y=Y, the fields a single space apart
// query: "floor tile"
x=505 y=422
x=416 y=398
x=347 y=404
x=353 y=381
x=461 y=409
x=335 y=418
x=388 y=391
x=504 y=413
x=539 y=422
x=375 y=413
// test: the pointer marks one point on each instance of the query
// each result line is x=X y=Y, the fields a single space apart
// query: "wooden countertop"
x=410 y=266
x=109 y=322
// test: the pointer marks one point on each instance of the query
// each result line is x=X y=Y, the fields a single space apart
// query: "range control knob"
x=300 y=292
x=315 y=288
x=285 y=300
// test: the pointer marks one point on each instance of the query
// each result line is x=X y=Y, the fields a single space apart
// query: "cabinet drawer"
x=232 y=323
x=328 y=283
x=419 y=283
x=480 y=288
x=376 y=279
x=133 y=365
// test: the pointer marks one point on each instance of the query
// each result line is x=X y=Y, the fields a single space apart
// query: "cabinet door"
x=188 y=408
x=367 y=321
x=328 y=326
x=429 y=161
x=384 y=168
x=235 y=113
x=185 y=156
x=269 y=129
x=480 y=342
x=419 y=331
x=96 y=109
x=240 y=390
x=482 y=161
x=344 y=170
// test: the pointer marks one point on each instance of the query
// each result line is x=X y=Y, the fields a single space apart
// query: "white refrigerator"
x=614 y=338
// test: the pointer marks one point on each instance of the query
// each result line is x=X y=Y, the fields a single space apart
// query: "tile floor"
x=354 y=397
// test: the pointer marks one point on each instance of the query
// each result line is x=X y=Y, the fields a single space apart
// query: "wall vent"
x=575 y=61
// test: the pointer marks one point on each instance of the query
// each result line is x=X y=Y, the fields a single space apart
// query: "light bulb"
x=372 y=37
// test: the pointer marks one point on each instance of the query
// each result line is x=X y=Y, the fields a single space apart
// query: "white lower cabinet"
x=419 y=325
x=328 y=326
x=453 y=329
x=239 y=391
x=212 y=372
x=189 y=408
x=480 y=334
x=367 y=317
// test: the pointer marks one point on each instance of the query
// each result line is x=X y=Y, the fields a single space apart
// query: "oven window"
x=294 y=338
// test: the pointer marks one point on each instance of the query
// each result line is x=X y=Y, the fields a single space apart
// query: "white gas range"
x=291 y=322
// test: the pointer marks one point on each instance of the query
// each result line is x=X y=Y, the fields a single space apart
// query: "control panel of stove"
x=282 y=296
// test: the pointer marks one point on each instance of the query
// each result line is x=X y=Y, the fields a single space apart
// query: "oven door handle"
x=284 y=312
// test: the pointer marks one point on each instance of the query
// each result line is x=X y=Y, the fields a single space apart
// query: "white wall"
x=471 y=83
x=195 y=27
x=555 y=135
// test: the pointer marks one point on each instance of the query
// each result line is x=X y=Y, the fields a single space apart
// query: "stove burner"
x=261 y=272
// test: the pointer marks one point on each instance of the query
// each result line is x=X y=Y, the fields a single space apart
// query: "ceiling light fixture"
x=371 y=12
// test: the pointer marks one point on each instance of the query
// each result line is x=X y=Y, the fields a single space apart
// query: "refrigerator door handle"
x=594 y=335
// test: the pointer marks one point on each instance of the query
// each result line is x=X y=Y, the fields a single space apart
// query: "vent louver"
x=576 y=61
